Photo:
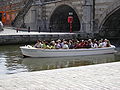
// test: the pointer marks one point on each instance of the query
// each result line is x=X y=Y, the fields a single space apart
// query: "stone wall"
x=30 y=18
x=101 y=6
x=28 y=39
x=89 y=18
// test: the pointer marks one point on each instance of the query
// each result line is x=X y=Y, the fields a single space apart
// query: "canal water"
x=12 y=61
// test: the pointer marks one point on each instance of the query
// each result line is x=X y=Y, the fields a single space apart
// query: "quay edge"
x=30 y=38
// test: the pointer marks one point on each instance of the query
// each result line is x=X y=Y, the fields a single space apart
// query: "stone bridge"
x=90 y=17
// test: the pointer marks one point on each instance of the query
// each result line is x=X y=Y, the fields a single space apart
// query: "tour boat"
x=39 y=52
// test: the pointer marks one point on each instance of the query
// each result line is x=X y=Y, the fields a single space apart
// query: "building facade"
x=9 y=10
x=90 y=17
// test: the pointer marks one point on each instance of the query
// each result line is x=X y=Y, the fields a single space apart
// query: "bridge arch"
x=58 y=19
x=109 y=22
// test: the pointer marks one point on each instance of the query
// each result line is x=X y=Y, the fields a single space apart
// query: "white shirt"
x=95 y=45
x=104 y=44
x=101 y=45
x=65 y=46
x=91 y=45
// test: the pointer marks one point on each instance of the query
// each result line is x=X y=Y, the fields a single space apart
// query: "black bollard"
x=29 y=29
x=39 y=29
x=17 y=30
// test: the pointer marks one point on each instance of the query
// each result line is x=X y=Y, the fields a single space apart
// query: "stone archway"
x=108 y=12
x=109 y=23
x=58 y=19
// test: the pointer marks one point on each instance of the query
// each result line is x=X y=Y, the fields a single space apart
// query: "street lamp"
x=70 y=20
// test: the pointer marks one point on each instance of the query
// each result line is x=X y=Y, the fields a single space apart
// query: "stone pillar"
x=42 y=22
x=30 y=18
x=87 y=23
x=34 y=18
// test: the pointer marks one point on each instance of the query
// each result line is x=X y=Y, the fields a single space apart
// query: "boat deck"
x=93 y=77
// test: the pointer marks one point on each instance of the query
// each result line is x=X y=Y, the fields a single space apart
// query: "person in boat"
x=108 y=43
x=95 y=44
x=70 y=44
x=82 y=44
x=104 y=42
x=58 y=44
x=65 y=46
x=100 y=44
x=38 y=44
x=62 y=43
x=94 y=40
x=87 y=44
x=90 y=43
x=44 y=44
x=77 y=44
x=52 y=45
x=47 y=45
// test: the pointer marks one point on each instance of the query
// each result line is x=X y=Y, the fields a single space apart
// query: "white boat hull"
x=36 y=52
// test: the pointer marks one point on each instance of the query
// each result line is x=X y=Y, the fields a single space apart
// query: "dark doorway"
x=0 y=16
x=111 y=28
x=58 y=20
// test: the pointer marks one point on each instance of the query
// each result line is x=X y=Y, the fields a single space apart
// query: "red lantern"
x=70 y=19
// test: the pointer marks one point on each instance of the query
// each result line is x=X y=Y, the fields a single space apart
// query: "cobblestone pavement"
x=93 y=77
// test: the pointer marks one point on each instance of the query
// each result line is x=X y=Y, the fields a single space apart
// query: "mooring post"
x=17 y=30
x=29 y=29
x=39 y=29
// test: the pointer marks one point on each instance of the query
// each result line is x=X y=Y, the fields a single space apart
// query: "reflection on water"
x=11 y=61
x=53 y=63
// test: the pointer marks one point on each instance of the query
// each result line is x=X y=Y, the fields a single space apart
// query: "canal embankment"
x=93 y=77
x=11 y=36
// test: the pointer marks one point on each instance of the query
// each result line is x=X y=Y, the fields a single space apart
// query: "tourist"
x=38 y=44
x=105 y=43
x=77 y=44
x=58 y=44
x=100 y=43
x=95 y=45
x=82 y=44
x=70 y=44
x=87 y=44
x=62 y=43
x=65 y=46
x=51 y=46
x=90 y=42
x=108 y=43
